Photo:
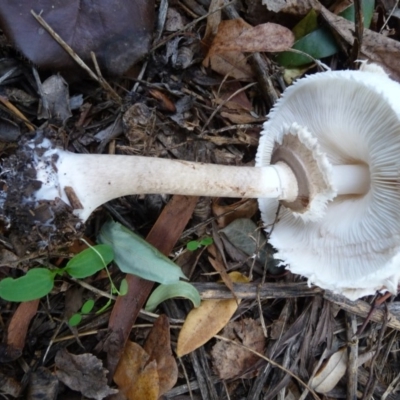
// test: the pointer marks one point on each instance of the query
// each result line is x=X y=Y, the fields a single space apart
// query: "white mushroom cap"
x=354 y=249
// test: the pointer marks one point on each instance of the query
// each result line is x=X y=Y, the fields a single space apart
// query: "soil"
x=33 y=225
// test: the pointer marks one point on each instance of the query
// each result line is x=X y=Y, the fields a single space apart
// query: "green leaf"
x=90 y=261
x=193 y=245
x=178 y=289
x=75 y=320
x=321 y=43
x=134 y=255
x=87 y=306
x=317 y=44
x=35 y=284
x=206 y=241
x=123 y=287
x=308 y=24
x=368 y=7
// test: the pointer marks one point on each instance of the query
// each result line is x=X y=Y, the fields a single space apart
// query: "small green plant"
x=196 y=244
x=39 y=282
x=86 y=309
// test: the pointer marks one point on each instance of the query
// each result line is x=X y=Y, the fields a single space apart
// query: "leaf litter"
x=190 y=102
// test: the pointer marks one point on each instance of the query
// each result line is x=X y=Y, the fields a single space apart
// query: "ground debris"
x=84 y=373
x=33 y=225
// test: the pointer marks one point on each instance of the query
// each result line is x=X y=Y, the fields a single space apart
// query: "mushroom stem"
x=97 y=179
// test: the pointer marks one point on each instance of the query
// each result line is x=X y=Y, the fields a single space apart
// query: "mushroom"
x=328 y=155
x=354 y=249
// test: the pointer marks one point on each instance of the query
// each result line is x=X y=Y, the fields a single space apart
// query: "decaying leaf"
x=233 y=64
x=246 y=236
x=238 y=35
x=9 y=386
x=54 y=103
x=204 y=322
x=235 y=37
x=137 y=376
x=231 y=361
x=158 y=346
x=119 y=33
x=84 y=373
x=42 y=385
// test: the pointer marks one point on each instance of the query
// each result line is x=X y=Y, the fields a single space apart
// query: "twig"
x=358 y=34
x=352 y=366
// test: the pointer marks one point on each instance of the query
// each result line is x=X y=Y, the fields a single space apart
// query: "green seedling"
x=129 y=251
x=196 y=244
x=86 y=309
x=39 y=282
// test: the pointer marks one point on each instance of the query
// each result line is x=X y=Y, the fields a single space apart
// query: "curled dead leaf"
x=137 y=376
x=83 y=373
x=330 y=372
x=158 y=346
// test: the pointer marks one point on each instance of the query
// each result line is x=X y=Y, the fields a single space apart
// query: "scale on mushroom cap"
x=328 y=154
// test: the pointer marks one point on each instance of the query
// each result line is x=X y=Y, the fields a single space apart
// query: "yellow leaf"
x=204 y=322
x=135 y=376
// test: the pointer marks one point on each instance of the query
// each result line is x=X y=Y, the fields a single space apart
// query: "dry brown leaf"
x=207 y=320
x=227 y=213
x=375 y=47
x=19 y=324
x=231 y=361
x=233 y=64
x=330 y=372
x=83 y=373
x=165 y=103
x=158 y=346
x=137 y=376
x=213 y=21
x=238 y=35
x=239 y=119
x=232 y=96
